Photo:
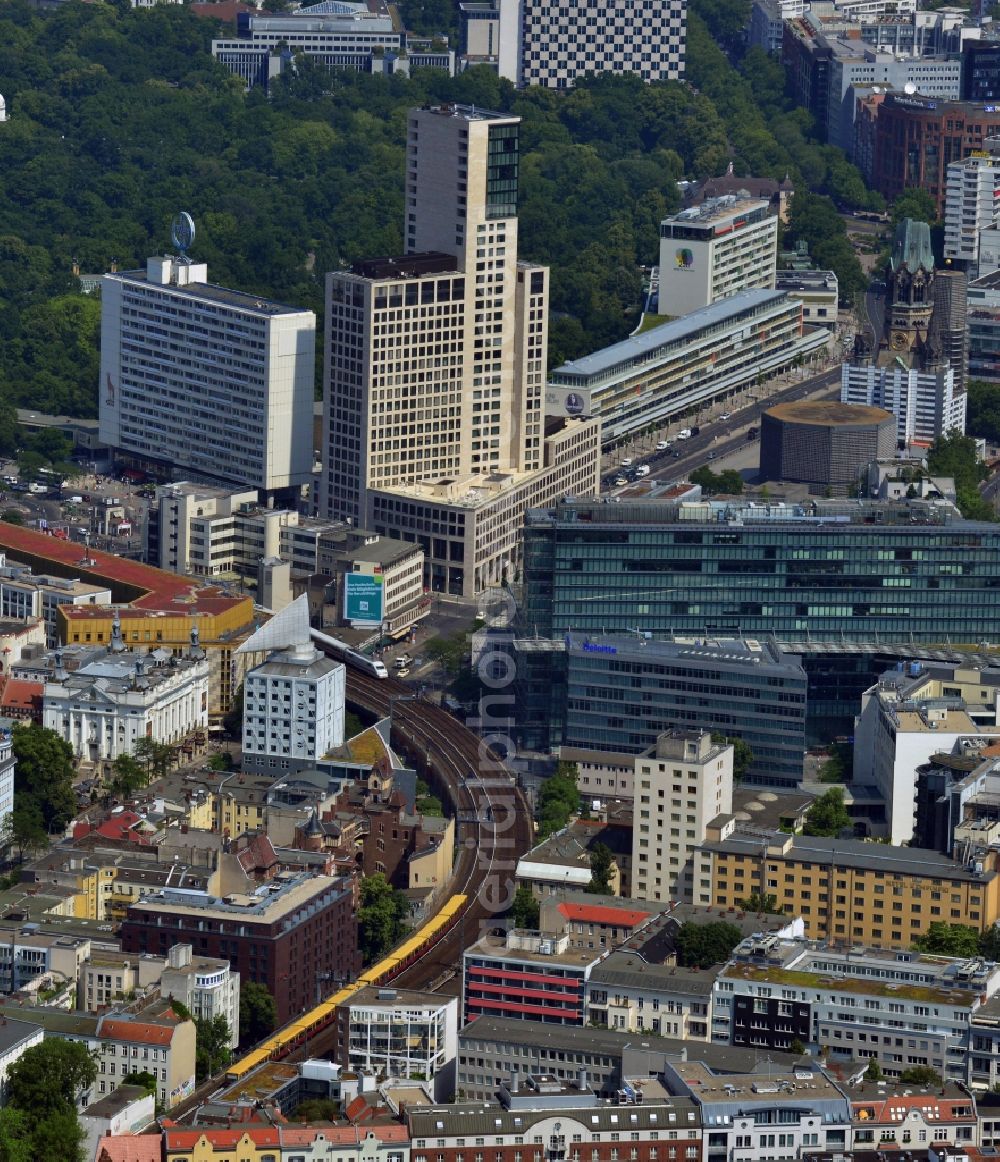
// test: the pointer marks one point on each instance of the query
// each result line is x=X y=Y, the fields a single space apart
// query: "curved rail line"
x=493 y=829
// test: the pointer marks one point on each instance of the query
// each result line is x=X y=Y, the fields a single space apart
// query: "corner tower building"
x=435 y=366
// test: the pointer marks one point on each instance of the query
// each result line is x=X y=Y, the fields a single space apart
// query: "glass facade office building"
x=868 y=571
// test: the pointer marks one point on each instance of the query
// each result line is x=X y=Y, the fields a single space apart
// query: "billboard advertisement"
x=363 y=598
x=567 y=401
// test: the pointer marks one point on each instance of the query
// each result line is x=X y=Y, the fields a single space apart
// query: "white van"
x=684 y=434
x=627 y=462
x=642 y=470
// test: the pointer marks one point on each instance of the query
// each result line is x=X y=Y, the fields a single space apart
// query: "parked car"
x=73 y=500
x=662 y=445
x=627 y=462
x=620 y=481
x=726 y=416
x=684 y=434
x=696 y=431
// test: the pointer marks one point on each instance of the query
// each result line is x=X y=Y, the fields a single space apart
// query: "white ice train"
x=351 y=657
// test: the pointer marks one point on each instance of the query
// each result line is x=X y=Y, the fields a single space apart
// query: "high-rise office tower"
x=435 y=366
x=206 y=381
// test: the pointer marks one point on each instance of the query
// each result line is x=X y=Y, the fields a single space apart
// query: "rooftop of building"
x=261 y=1083
x=880 y=1101
x=146 y=1147
x=829 y=414
x=834 y=515
x=498 y=947
x=272 y=901
x=770 y=808
x=641 y=348
x=717 y=209
x=115 y=1102
x=732 y=651
x=144 y=587
x=468 y=113
x=708 y=1085
x=210 y=292
x=807 y=280
x=480 y=1118
x=296 y=662
x=603 y=1042
x=875 y=858
x=374 y=997
x=989 y=281
x=13 y=1032
x=394 y=267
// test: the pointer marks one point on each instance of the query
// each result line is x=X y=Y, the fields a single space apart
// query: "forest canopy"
x=120 y=118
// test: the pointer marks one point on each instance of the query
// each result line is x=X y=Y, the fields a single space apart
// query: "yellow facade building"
x=847 y=890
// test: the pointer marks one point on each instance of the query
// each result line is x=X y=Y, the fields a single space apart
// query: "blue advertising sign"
x=363 y=598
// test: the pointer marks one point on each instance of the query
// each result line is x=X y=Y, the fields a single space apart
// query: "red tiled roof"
x=219 y=1138
x=130 y=582
x=341 y=1135
x=125 y=1148
x=140 y=1032
x=20 y=694
x=122 y=826
x=885 y=1109
x=603 y=914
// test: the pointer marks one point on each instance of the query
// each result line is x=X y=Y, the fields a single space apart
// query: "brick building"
x=291 y=932
x=917 y=138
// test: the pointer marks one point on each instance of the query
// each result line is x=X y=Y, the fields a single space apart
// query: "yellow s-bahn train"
x=297 y=1032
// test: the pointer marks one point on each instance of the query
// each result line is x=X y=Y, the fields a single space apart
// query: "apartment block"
x=716 y=249
x=293 y=708
x=983 y=313
x=688 y=363
x=846 y=889
x=912 y=713
x=399 y=1034
x=972 y=202
x=435 y=362
x=562 y=1119
x=682 y=784
x=756 y=1118
x=926 y=403
x=899 y=1008
x=492 y=1049
x=197 y=378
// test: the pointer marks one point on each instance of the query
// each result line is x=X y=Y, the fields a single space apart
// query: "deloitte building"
x=848 y=586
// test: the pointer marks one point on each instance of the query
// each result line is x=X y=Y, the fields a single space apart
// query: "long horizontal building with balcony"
x=691 y=362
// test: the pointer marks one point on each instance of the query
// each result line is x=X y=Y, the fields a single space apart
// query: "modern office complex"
x=343 y=34
x=825 y=569
x=199 y=379
x=711 y=251
x=435 y=366
x=917 y=138
x=620 y=691
x=533 y=42
x=662 y=374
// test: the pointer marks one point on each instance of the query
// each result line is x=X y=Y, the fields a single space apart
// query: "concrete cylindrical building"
x=823 y=442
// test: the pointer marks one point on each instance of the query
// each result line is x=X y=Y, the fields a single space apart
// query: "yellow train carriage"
x=324 y=1014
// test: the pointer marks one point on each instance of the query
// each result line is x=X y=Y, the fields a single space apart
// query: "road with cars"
x=715 y=439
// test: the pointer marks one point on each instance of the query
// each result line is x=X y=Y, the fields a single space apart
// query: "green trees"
x=382 y=917
x=742 y=754
x=145 y=1079
x=814 y=219
x=156 y=757
x=827 y=815
x=600 y=870
x=43 y=1087
x=706 y=944
x=945 y=939
x=212 y=1051
x=728 y=482
x=558 y=799
x=24 y=829
x=524 y=911
x=955 y=455
x=43 y=778
x=914 y=203
x=920 y=1075
x=258 y=1012
x=874 y=1070
x=128 y=775
x=766 y=904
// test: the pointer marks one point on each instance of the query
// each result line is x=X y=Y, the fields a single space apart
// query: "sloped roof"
x=126 y=1148
x=603 y=914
